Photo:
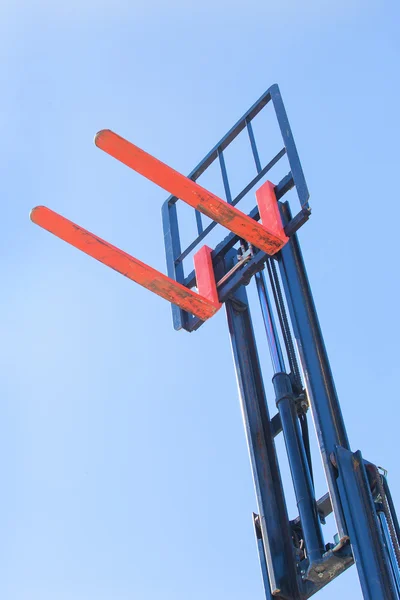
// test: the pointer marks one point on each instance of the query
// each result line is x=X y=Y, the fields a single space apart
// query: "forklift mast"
x=296 y=558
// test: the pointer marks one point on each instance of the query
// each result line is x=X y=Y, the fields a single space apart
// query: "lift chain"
x=306 y=441
x=287 y=336
x=388 y=515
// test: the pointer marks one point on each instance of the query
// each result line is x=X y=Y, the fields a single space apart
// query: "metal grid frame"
x=294 y=179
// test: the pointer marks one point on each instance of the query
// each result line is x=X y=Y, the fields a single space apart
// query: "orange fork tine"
x=122 y=262
x=268 y=238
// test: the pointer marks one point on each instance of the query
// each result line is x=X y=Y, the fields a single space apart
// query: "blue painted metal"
x=295 y=563
x=253 y=145
x=293 y=157
x=367 y=541
x=285 y=400
x=320 y=385
x=295 y=179
x=391 y=507
x=301 y=477
x=389 y=523
x=199 y=222
x=275 y=349
x=224 y=174
x=172 y=248
x=290 y=571
x=261 y=556
x=278 y=556
x=389 y=546
x=274 y=523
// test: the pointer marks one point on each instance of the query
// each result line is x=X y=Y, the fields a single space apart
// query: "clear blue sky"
x=124 y=468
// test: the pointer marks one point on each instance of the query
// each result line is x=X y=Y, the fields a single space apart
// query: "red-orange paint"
x=122 y=262
x=261 y=236
x=269 y=210
x=205 y=278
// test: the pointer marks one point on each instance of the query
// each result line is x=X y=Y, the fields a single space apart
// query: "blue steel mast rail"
x=295 y=557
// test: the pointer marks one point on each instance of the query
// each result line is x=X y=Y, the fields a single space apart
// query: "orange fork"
x=125 y=264
x=269 y=236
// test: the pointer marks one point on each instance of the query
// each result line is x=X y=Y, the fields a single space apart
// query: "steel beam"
x=318 y=376
x=274 y=522
x=366 y=538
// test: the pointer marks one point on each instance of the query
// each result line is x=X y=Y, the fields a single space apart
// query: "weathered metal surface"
x=366 y=538
x=274 y=522
x=205 y=277
x=189 y=191
x=318 y=376
x=269 y=210
x=299 y=468
x=122 y=262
